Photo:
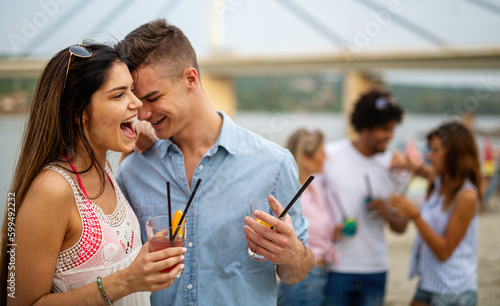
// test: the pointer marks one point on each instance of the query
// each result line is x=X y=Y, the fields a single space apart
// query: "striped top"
x=458 y=273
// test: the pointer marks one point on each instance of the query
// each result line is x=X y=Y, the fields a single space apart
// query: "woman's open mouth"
x=127 y=127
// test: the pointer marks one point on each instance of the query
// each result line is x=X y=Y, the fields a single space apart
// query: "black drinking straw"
x=187 y=207
x=368 y=186
x=309 y=180
x=169 y=211
x=340 y=205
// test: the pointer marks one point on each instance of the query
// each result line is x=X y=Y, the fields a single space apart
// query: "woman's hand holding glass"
x=144 y=272
x=403 y=206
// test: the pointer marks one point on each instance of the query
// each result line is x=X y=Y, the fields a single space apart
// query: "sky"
x=40 y=28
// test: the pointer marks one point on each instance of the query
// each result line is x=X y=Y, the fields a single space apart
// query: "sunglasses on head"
x=80 y=51
x=383 y=102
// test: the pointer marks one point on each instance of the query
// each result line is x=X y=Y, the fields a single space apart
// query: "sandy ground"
x=400 y=290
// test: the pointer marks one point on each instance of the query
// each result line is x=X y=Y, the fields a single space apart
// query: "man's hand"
x=398 y=161
x=338 y=233
x=380 y=207
x=279 y=245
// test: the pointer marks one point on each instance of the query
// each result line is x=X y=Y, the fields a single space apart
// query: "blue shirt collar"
x=227 y=139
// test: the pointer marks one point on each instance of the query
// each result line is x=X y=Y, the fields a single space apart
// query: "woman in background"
x=307 y=147
x=445 y=250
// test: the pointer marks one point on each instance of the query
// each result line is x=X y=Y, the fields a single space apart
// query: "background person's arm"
x=464 y=210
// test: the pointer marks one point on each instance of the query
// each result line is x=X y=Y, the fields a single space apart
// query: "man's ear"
x=192 y=78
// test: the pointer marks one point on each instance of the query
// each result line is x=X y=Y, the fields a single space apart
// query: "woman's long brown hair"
x=55 y=128
x=461 y=160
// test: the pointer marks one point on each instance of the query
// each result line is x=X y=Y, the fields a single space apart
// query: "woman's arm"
x=420 y=168
x=463 y=212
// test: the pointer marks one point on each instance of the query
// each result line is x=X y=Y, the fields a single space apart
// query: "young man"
x=236 y=167
x=356 y=170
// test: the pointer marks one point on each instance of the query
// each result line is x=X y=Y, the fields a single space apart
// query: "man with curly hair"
x=358 y=171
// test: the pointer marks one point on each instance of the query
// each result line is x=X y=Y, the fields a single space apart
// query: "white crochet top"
x=108 y=243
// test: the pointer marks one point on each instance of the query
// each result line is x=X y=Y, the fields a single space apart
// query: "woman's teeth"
x=129 y=120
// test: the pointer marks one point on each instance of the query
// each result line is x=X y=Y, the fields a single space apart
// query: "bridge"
x=228 y=65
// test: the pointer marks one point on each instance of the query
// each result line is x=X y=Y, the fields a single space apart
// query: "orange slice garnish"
x=175 y=221
x=263 y=223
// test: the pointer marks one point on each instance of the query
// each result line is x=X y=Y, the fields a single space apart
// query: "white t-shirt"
x=345 y=170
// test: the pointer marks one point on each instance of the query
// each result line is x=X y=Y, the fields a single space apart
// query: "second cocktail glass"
x=262 y=205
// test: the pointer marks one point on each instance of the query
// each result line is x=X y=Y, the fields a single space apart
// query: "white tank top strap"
x=77 y=192
x=468 y=185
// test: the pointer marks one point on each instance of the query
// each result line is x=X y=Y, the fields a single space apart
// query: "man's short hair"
x=375 y=108
x=159 y=44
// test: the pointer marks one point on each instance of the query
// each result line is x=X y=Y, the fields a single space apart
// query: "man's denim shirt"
x=239 y=169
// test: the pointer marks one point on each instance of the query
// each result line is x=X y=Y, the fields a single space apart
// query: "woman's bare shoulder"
x=49 y=191
x=466 y=202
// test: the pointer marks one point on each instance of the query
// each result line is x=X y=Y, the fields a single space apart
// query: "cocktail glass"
x=262 y=205
x=160 y=236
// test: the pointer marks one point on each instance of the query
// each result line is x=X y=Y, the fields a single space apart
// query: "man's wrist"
x=305 y=254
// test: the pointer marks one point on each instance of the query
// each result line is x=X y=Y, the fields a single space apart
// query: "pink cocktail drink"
x=161 y=243
x=161 y=236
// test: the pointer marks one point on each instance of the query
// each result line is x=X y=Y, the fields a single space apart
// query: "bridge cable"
x=407 y=24
x=485 y=5
x=309 y=19
x=52 y=29
x=111 y=16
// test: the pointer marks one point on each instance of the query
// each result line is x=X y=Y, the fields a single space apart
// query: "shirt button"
x=190 y=244
x=200 y=167
x=170 y=154
x=190 y=286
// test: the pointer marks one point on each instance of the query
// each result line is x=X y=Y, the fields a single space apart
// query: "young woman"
x=307 y=147
x=76 y=239
x=444 y=253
